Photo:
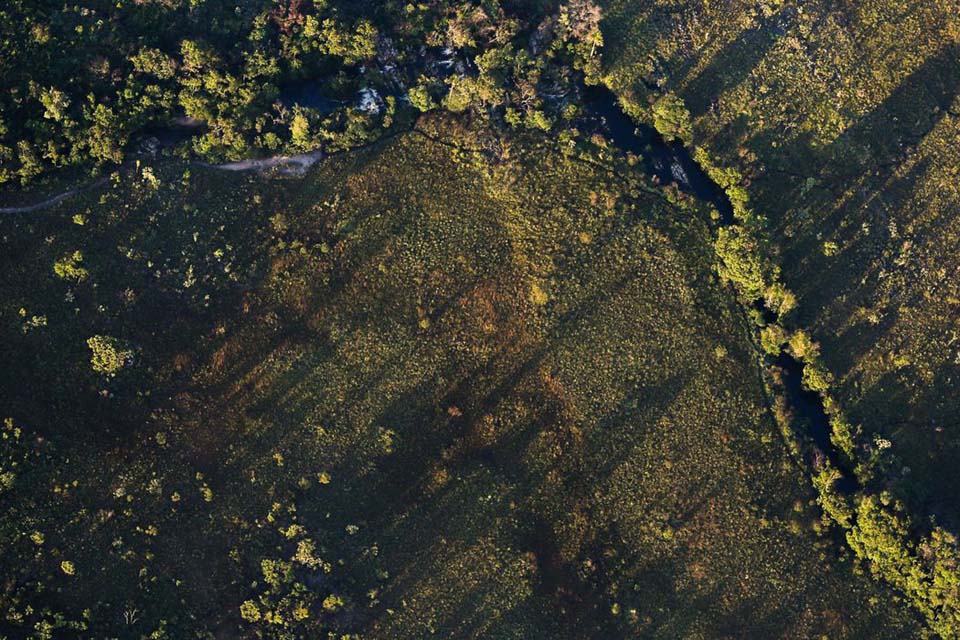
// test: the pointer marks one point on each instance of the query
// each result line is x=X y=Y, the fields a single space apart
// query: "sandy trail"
x=290 y=165
x=297 y=164
x=49 y=202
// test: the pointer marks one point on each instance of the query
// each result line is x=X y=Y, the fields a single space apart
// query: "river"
x=664 y=161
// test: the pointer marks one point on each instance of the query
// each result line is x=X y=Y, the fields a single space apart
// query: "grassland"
x=450 y=385
x=843 y=118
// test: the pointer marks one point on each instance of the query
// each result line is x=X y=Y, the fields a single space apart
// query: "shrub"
x=249 y=611
x=108 y=355
x=68 y=267
x=672 y=118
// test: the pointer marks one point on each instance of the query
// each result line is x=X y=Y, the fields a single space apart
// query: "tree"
x=421 y=99
x=672 y=118
x=740 y=261
x=462 y=94
x=108 y=355
x=772 y=338
x=300 y=129
x=581 y=18
x=816 y=377
x=69 y=267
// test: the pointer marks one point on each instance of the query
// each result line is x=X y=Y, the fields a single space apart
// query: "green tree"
x=740 y=261
x=108 y=355
x=672 y=118
x=421 y=99
x=69 y=267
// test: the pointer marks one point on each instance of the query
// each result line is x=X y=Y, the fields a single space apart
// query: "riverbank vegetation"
x=885 y=519
x=84 y=84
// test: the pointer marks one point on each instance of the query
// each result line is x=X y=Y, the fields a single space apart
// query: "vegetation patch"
x=388 y=418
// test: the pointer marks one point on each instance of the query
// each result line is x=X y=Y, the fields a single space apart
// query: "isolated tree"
x=108 y=354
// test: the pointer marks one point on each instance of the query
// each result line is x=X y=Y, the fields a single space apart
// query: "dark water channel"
x=308 y=93
x=304 y=93
x=808 y=408
x=667 y=162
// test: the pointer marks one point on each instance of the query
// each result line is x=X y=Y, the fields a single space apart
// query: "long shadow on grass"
x=733 y=64
x=858 y=268
x=920 y=419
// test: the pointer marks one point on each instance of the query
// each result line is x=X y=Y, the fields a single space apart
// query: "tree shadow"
x=729 y=67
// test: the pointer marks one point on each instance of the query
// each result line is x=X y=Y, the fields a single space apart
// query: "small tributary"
x=664 y=161
x=308 y=93
x=671 y=162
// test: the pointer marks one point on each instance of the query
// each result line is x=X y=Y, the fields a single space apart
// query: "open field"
x=423 y=391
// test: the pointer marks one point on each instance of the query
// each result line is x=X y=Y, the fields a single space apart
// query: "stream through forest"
x=668 y=162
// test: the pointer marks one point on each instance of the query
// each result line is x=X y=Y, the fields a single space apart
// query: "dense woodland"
x=478 y=373
x=83 y=80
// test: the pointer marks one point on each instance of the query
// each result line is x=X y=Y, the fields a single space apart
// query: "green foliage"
x=537 y=119
x=842 y=435
x=780 y=300
x=672 y=118
x=11 y=457
x=740 y=262
x=70 y=267
x=802 y=345
x=421 y=99
x=311 y=294
x=461 y=95
x=108 y=74
x=834 y=504
x=300 y=130
x=772 y=338
x=249 y=611
x=816 y=377
x=309 y=384
x=155 y=63
x=286 y=607
x=881 y=536
x=109 y=355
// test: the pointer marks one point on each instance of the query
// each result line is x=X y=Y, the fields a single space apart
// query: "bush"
x=672 y=118
x=68 y=267
x=249 y=611
x=108 y=355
